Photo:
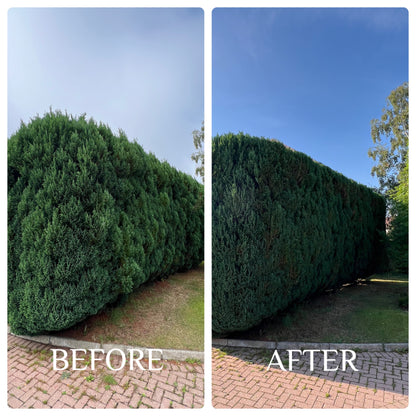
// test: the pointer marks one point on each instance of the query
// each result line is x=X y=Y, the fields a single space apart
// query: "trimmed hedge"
x=91 y=216
x=283 y=228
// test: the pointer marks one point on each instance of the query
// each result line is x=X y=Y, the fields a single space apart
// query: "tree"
x=399 y=234
x=198 y=156
x=390 y=135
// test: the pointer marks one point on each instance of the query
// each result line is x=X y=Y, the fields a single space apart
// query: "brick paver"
x=240 y=379
x=32 y=382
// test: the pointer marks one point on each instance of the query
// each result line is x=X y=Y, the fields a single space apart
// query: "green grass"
x=379 y=316
x=186 y=326
x=161 y=314
x=367 y=311
x=108 y=379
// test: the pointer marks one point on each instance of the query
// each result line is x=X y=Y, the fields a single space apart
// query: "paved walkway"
x=32 y=382
x=240 y=380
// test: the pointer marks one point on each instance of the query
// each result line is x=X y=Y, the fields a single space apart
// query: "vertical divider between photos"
x=208 y=201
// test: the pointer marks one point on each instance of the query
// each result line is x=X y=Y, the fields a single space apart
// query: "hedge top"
x=239 y=140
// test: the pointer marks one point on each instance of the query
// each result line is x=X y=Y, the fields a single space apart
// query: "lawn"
x=367 y=311
x=161 y=314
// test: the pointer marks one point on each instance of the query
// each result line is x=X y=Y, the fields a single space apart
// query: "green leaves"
x=398 y=236
x=390 y=135
x=91 y=217
x=199 y=157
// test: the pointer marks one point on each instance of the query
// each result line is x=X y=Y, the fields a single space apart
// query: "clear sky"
x=139 y=70
x=311 y=78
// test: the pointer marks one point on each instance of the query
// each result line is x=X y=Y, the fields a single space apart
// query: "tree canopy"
x=399 y=233
x=391 y=137
x=198 y=156
x=390 y=134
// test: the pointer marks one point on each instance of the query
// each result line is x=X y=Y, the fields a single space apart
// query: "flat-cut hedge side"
x=283 y=227
x=91 y=216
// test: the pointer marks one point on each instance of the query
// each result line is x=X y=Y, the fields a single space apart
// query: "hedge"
x=284 y=227
x=91 y=217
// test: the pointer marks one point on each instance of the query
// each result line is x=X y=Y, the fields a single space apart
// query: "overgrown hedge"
x=91 y=216
x=283 y=227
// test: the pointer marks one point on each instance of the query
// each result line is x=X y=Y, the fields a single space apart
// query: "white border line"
x=207 y=5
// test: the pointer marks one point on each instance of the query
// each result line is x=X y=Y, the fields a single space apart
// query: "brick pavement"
x=240 y=379
x=32 y=382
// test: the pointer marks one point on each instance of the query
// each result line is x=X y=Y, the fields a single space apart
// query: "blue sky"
x=139 y=70
x=311 y=78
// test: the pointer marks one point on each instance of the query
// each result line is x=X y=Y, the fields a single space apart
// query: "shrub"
x=91 y=216
x=283 y=227
x=398 y=238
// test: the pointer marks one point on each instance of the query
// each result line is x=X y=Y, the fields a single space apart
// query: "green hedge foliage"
x=91 y=217
x=283 y=227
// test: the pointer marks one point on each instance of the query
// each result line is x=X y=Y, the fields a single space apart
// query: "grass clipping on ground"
x=364 y=312
x=162 y=314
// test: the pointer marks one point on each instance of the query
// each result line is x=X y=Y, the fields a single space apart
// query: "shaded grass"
x=366 y=311
x=163 y=314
